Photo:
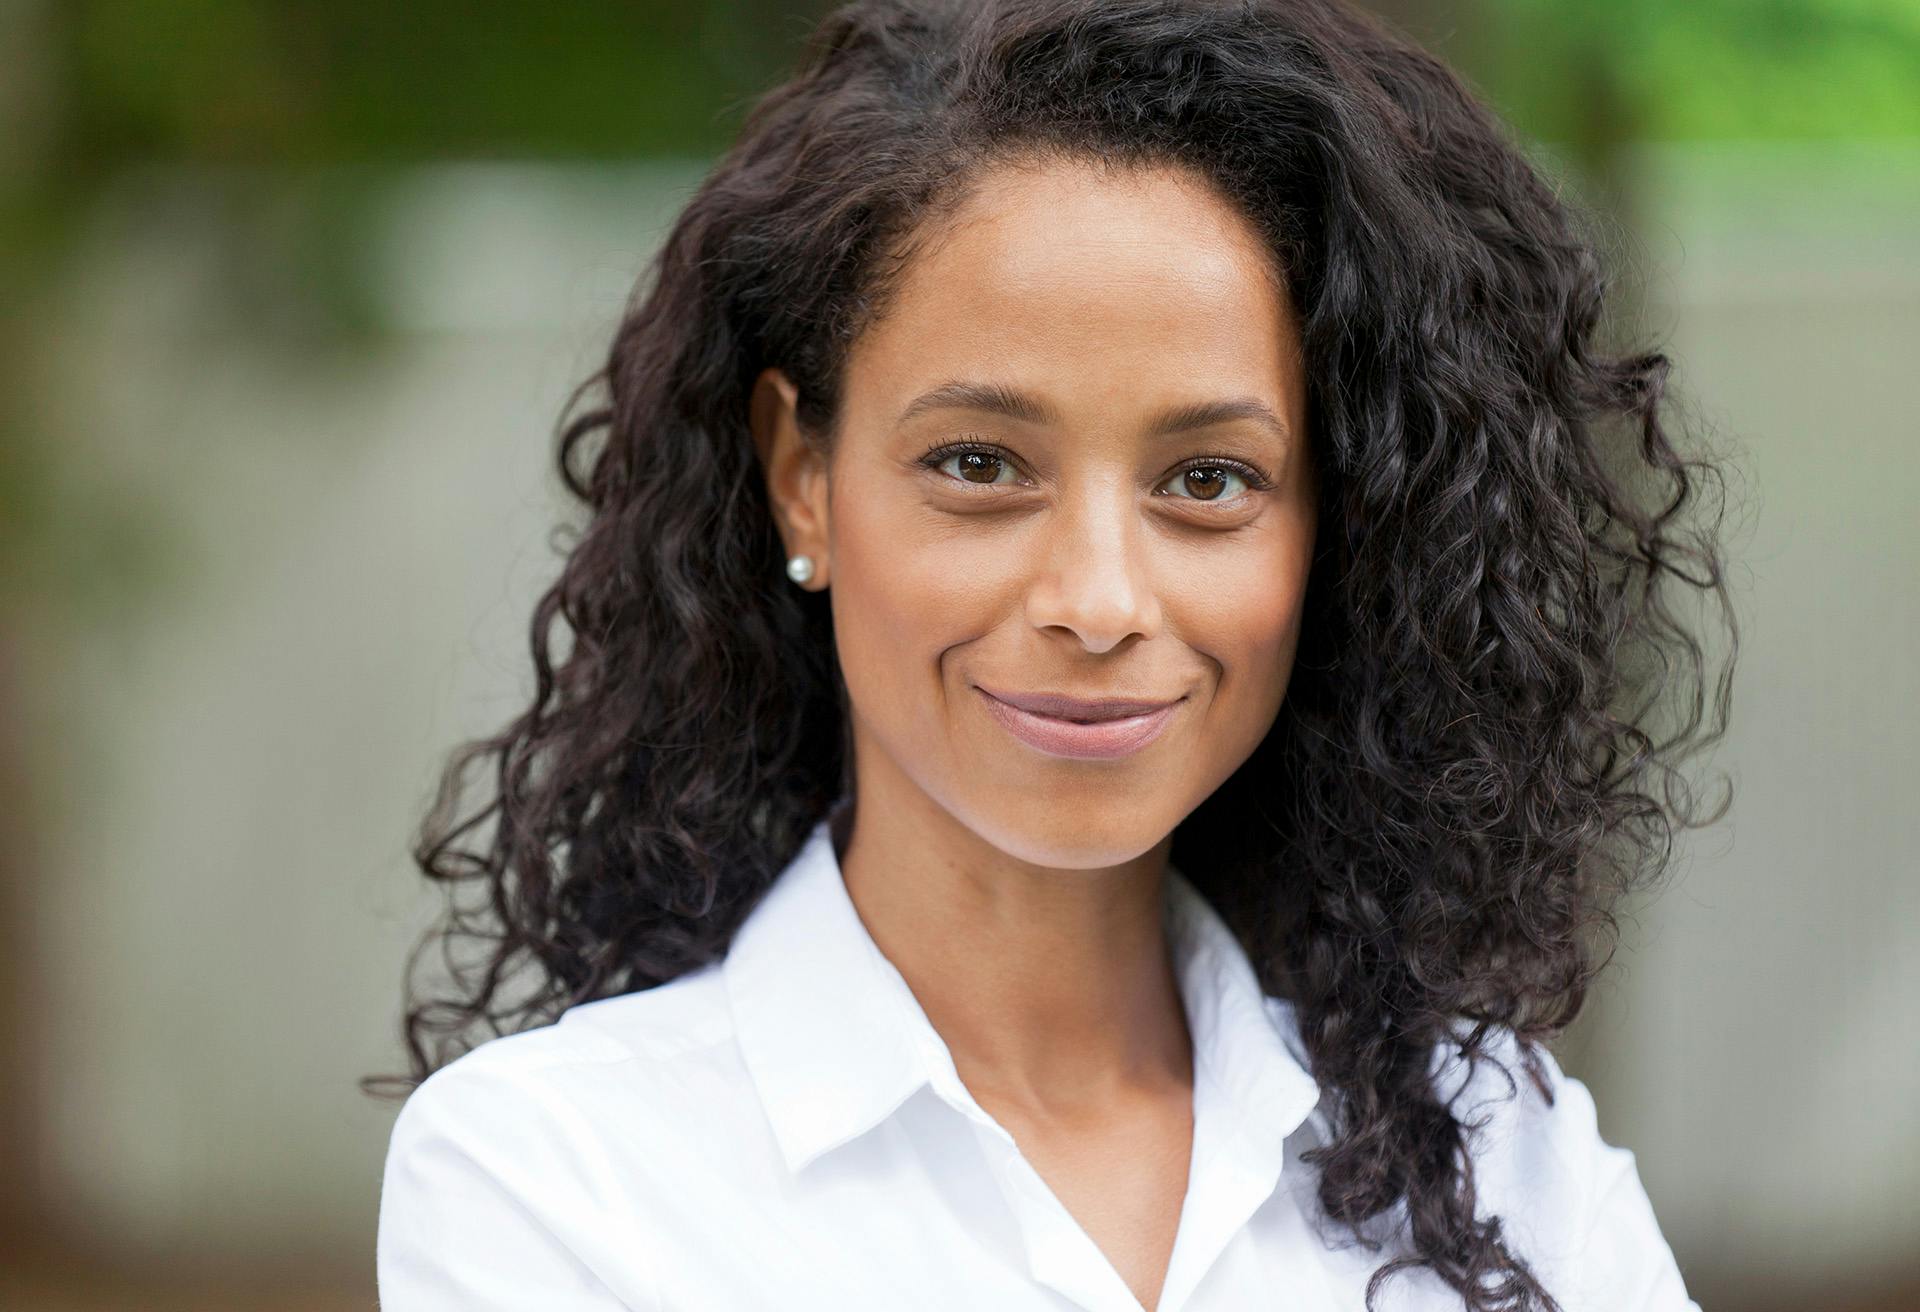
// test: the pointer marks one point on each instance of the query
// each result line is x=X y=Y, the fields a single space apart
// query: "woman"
x=1108 y=694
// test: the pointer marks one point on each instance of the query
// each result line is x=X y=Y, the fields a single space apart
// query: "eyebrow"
x=996 y=398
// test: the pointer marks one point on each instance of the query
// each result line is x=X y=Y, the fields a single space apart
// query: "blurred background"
x=293 y=295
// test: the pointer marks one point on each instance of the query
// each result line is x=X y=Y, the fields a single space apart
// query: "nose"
x=1093 y=577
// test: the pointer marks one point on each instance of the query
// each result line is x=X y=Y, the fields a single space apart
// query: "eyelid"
x=940 y=452
x=1255 y=478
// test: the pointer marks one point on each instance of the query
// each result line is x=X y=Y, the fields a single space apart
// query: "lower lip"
x=1101 y=740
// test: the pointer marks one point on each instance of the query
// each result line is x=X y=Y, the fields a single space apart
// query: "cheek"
x=903 y=590
x=1241 y=608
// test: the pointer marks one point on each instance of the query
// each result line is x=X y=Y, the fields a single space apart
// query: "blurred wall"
x=332 y=549
x=1757 y=1045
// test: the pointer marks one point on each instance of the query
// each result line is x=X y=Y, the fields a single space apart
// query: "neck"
x=1053 y=988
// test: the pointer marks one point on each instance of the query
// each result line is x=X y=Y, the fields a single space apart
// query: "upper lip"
x=1064 y=707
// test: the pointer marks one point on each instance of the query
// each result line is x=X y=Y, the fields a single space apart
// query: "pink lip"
x=1119 y=735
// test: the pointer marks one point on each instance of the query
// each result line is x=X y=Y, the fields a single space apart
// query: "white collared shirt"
x=785 y=1129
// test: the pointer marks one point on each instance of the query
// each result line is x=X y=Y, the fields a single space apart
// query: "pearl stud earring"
x=799 y=568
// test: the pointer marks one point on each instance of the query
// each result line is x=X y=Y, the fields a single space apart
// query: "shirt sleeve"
x=475 y=1205
x=1625 y=1257
x=1569 y=1196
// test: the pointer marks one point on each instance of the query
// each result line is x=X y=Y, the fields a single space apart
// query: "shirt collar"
x=835 y=1040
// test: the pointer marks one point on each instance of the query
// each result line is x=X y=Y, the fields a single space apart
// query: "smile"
x=1103 y=739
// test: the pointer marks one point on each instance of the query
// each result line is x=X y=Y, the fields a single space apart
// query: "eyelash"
x=1255 y=480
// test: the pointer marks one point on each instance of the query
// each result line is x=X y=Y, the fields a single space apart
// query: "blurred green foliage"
x=1703 y=69
x=301 y=80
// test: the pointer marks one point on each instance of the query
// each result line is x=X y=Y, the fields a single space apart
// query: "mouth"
x=1081 y=728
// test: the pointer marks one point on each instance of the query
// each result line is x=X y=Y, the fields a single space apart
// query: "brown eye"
x=1209 y=481
x=978 y=466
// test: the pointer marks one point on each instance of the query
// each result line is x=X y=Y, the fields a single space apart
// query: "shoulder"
x=572 y=1114
x=521 y=1172
x=1567 y=1198
x=1520 y=1106
x=629 y=1047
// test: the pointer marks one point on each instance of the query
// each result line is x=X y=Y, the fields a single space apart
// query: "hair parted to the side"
x=1498 y=680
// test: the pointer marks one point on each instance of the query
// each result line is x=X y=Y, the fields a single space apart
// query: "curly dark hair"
x=1496 y=686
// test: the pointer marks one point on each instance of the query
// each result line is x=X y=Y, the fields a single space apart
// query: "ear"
x=795 y=471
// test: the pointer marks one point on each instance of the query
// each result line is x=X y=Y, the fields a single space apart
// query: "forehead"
x=1100 y=281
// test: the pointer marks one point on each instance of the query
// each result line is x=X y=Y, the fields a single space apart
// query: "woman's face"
x=1072 y=459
